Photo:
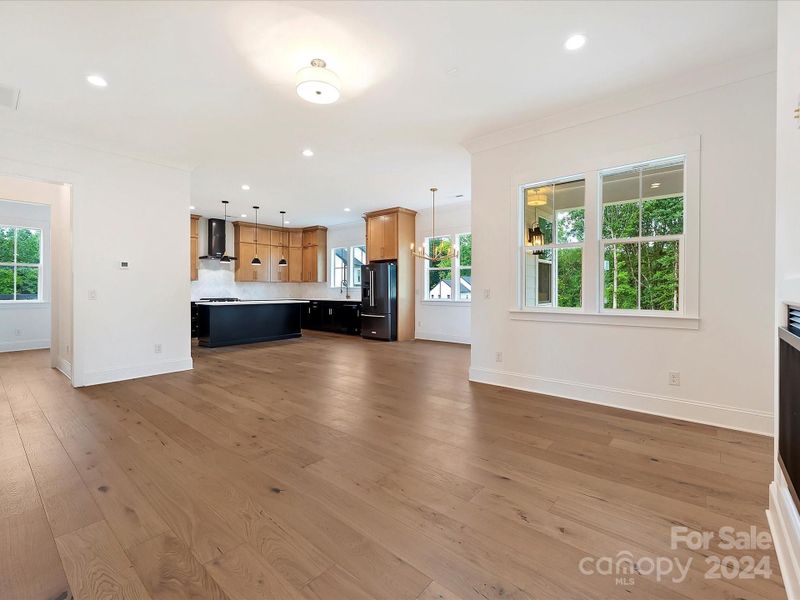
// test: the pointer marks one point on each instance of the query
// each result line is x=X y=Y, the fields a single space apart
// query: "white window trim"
x=592 y=311
x=40 y=300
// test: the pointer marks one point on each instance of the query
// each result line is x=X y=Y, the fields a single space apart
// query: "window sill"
x=23 y=304
x=447 y=302
x=625 y=320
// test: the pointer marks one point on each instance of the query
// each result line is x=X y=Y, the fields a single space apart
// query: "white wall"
x=726 y=364
x=26 y=325
x=122 y=209
x=783 y=514
x=439 y=320
x=216 y=280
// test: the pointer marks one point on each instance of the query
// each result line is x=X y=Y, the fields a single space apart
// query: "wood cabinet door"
x=295 y=259
x=247 y=233
x=193 y=257
x=262 y=271
x=374 y=238
x=278 y=274
x=309 y=263
x=309 y=238
x=389 y=236
x=278 y=237
x=244 y=271
x=194 y=225
x=296 y=239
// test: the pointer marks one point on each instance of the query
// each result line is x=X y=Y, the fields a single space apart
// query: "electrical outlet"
x=498 y=357
x=674 y=378
x=487 y=293
x=158 y=348
x=18 y=332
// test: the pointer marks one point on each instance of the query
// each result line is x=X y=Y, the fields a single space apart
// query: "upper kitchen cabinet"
x=315 y=254
x=295 y=238
x=194 y=246
x=389 y=232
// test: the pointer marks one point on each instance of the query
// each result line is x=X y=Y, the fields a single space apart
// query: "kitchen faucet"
x=343 y=285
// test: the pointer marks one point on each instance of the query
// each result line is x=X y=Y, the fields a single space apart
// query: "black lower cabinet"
x=333 y=316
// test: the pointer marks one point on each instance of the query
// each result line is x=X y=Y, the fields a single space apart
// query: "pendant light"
x=318 y=84
x=282 y=262
x=535 y=197
x=420 y=252
x=256 y=261
x=225 y=258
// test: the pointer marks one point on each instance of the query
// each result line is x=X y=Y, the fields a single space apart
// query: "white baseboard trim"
x=784 y=523
x=65 y=367
x=25 y=345
x=441 y=337
x=123 y=373
x=754 y=421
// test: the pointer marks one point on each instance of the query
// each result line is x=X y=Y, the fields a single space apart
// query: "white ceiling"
x=210 y=86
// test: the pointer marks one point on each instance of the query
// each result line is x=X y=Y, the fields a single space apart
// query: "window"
x=20 y=263
x=449 y=278
x=625 y=245
x=642 y=217
x=346 y=265
x=359 y=254
x=553 y=269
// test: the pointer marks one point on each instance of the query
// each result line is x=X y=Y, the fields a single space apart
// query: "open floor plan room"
x=393 y=300
x=280 y=471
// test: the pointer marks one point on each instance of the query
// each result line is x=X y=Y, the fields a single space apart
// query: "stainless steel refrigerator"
x=379 y=301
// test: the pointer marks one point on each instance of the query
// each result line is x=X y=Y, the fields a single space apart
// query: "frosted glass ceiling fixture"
x=437 y=254
x=317 y=83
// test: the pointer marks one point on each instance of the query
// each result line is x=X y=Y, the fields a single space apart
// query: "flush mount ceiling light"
x=244 y=215
x=655 y=186
x=97 y=81
x=575 y=42
x=191 y=208
x=308 y=153
x=245 y=187
x=318 y=84
x=535 y=197
x=346 y=210
x=256 y=261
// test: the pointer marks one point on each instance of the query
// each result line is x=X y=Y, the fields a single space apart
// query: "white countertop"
x=244 y=302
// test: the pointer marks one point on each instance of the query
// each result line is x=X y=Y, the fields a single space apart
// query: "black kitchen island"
x=248 y=322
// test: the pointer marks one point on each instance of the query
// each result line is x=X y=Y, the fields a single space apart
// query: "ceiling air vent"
x=9 y=97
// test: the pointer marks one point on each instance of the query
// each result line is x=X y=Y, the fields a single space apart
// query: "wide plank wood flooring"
x=330 y=467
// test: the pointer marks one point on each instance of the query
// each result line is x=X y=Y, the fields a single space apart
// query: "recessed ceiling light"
x=191 y=208
x=97 y=80
x=655 y=185
x=245 y=187
x=317 y=84
x=575 y=42
x=308 y=153
x=346 y=210
x=244 y=215
x=287 y=222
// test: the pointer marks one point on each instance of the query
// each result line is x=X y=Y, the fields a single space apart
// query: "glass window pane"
x=27 y=283
x=660 y=276
x=465 y=285
x=439 y=284
x=538 y=203
x=662 y=216
x=359 y=259
x=440 y=246
x=621 y=204
x=340 y=257
x=6 y=283
x=538 y=278
x=465 y=249
x=570 y=266
x=621 y=281
x=570 y=198
x=663 y=180
x=28 y=245
x=6 y=244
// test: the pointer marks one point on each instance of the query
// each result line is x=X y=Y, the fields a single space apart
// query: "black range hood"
x=216 y=240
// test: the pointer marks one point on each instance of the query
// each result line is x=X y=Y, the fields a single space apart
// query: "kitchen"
x=255 y=281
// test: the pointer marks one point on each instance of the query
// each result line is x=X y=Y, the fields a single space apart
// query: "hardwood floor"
x=330 y=467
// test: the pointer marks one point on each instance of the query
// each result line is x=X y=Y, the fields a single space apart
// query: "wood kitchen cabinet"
x=305 y=251
x=390 y=233
x=194 y=246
